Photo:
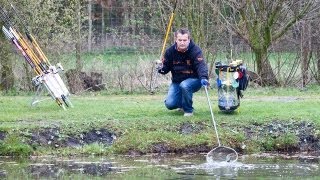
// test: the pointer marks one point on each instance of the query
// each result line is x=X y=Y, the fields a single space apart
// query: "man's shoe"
x=188 y=114
x=180 y=110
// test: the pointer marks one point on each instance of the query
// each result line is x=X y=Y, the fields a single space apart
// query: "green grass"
x=142 y=120
x=14 y=146
x=102 y=61
x=116 y=56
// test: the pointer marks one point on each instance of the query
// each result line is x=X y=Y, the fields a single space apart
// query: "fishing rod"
x=42 y=57
x=17 y=39
x=46 y=74
x=159 y=62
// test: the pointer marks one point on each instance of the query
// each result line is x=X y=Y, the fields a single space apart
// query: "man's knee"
x=184 y=86
x=187 y=86
x=170 y=104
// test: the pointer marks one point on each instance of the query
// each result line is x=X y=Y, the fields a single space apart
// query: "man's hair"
x=182 y=31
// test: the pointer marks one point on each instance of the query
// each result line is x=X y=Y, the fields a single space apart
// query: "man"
x=189 y=72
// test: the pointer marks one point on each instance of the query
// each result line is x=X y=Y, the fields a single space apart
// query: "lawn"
x=140 y=120
x=261 y=104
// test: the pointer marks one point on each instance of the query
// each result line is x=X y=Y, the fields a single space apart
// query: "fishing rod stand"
x=37 y=82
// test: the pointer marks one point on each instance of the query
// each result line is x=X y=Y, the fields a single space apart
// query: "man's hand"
x=159 y=65
x=205 y=82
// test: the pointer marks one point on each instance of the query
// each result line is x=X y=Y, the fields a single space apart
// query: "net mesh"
x=222 y=154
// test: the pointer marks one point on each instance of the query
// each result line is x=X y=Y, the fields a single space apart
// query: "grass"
x=14 y=146
x=105 y=60
x=142 y=120
x=113 y=57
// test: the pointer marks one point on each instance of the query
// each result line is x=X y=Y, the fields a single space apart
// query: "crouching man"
x=185 y=61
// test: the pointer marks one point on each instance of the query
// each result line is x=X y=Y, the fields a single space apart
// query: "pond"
x=191 y=166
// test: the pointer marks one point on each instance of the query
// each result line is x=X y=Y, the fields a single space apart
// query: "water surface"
x=158 y=167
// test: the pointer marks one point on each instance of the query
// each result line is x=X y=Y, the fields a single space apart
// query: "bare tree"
x=305 y=51
x=262 y=22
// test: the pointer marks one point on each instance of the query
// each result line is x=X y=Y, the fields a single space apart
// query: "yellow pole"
x=155 y=74
x=167 y=34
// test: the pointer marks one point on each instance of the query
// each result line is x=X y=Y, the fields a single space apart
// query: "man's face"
x=182 y=41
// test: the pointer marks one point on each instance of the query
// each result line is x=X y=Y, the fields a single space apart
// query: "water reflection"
x=155 y=166
x=259 y=169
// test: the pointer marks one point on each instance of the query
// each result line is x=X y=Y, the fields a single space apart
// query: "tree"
x=74 y=17
x=6 y=64
x=305 y=51
x=261 y=23
x=90 y=16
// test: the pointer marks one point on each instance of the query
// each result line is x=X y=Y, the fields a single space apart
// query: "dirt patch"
x=53 y=137
x=305 y=135
x=195 y=149
x=79 y=81
x=305 y=132
x=162 y=148
x=191 y=128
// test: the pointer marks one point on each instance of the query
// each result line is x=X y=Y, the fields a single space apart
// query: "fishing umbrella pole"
x=160 y=61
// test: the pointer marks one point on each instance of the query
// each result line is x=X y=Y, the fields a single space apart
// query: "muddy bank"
x=276 y=136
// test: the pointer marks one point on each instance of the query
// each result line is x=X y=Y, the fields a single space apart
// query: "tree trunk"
x=79 y=63
x=90 y=25
x=7 y=76
x=316 y=73
x=318 y=68
x=74 y=76
x=6 y=65
x=264 y=68
x=103 y=26
x=306 y=50
x=28 y=76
